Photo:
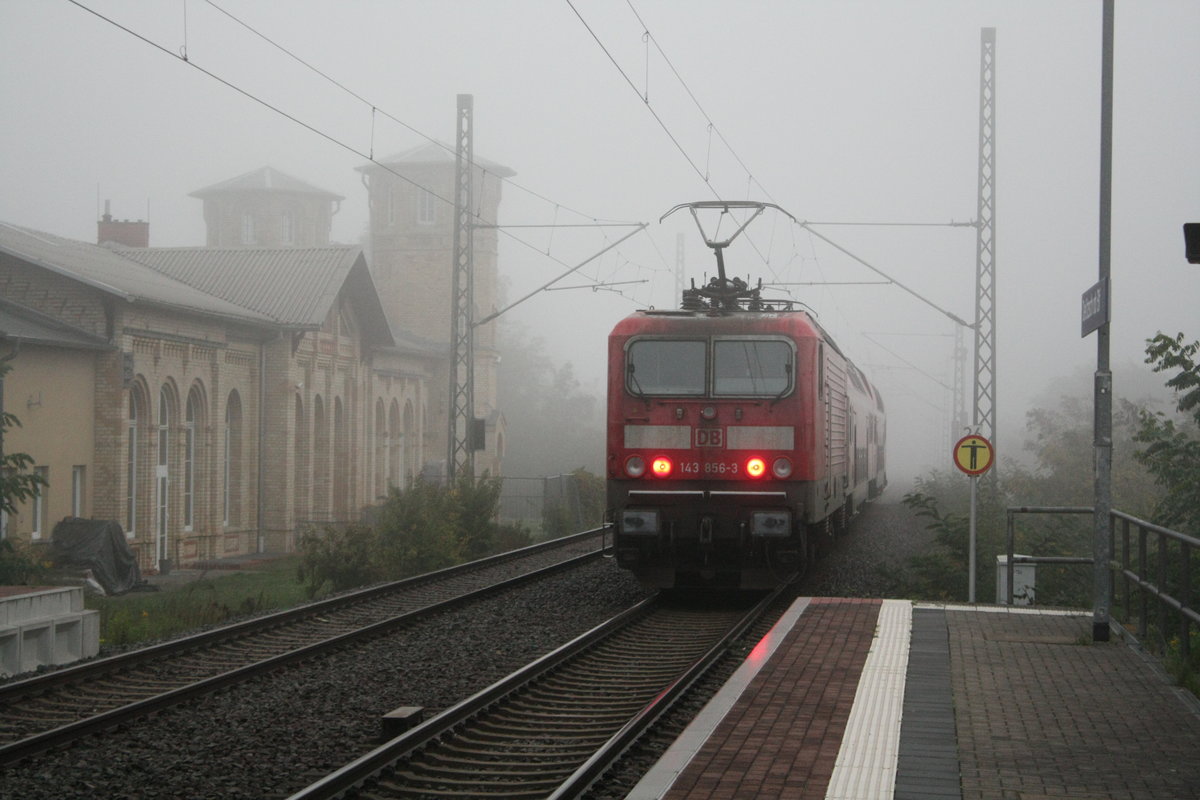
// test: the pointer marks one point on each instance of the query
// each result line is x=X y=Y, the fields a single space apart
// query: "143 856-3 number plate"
x=710 y=468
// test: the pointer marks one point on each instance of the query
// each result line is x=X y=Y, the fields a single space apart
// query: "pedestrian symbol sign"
x=973 y=454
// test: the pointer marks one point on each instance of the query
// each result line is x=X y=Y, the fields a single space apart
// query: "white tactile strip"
x=866 y=763
x=655 y=783
x=987 y=608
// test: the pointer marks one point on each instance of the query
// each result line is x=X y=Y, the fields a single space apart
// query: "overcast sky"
x=837 y=111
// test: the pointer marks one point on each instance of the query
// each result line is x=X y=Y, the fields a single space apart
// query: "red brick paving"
x=782 y=736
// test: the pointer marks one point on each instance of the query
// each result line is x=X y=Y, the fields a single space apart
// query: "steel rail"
x=55 y=737
x=352 y=775
x=356 y=774
x=90 y=669
x=603 y=759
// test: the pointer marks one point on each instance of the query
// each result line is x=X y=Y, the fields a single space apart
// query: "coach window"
x=666 y=367
x=752 y=367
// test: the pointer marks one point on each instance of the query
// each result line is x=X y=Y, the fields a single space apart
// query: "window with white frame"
x=78 y=486
x=248 y=233
x=189 y=461
x=131 y=467
x=38 y=510
x=426 y=207
x=287 y=234
x=232 y=467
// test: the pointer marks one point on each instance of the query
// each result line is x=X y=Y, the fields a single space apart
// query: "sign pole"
x=973 y=455
x=971 y=571
x=1101 y=541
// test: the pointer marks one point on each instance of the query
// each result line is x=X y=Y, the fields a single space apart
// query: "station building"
x=217 y=400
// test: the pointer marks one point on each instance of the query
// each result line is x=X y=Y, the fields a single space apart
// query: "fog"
x=839 y=112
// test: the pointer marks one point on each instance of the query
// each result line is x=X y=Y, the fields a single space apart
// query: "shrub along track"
x=51 y=709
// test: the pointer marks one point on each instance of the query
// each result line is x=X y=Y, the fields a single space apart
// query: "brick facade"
x=212 y=381
x=231 y=435
x=412 y=250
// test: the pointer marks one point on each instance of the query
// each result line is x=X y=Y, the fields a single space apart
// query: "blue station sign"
x=1095 y=308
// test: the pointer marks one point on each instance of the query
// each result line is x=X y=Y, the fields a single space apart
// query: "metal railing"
x=1132 y=574
x=1184 y=604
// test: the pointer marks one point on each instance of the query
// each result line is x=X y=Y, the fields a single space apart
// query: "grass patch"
x=213 y=598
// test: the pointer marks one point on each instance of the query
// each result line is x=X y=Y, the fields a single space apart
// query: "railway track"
x=49 y=710
x=554 y=727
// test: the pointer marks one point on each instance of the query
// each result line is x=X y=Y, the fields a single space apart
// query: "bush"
x=19 y=565
x=416 y=530
x=422 y=529
x=338 y=559
x=943 y=574
x=472 y=506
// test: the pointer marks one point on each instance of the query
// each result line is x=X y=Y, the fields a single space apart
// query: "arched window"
x=320 y=479
x=395 y=454
x=302 y=487
x=409 y=438
x=341 y=462
x=131 y=461
x=381 y=451
x=193 y=421
x=232 y=501
x=162 y=472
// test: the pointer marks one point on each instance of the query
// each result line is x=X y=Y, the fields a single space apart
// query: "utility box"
x=1024 y=581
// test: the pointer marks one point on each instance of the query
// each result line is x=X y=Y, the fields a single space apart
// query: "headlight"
x=635 y=466
x=782 y=467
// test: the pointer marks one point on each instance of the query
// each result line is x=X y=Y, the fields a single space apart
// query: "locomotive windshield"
x=667 y=367
x=687 y=367
x=751 y=367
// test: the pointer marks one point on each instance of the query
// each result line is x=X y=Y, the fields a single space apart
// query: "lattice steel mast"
x=461 y=455
x=984 y=416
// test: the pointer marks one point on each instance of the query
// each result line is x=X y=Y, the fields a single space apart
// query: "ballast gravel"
x=272 y=736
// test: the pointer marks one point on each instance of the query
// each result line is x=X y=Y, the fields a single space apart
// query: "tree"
x=554 y=426
x=1172 y=445
x=1061 y=440
x=18 y=484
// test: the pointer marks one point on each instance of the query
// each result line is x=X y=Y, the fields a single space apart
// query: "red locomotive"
x=739 y=436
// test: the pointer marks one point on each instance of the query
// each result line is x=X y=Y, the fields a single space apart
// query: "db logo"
x=709 y=437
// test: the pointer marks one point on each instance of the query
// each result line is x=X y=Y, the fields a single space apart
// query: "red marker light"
x=661 y=467
x=756 y=467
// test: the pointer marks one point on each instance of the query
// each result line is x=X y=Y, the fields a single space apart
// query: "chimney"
x=124 y=233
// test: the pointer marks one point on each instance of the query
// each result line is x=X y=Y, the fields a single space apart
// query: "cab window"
x=751 y=367
x=671 y=367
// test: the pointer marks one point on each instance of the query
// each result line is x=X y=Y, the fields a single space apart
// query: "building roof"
x=410 y=342
x=294 y=286
x=435 y=153
x=263 y=179
x=114 y=274
x=33 y=327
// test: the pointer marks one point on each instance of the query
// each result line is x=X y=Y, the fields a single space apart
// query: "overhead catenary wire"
x=706 y=178
x=376 y=109
x=368 y=156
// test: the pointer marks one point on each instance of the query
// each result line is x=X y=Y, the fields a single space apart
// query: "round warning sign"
x=973 y=454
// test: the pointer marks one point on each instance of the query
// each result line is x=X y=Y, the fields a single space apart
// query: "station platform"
x=865 y=699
